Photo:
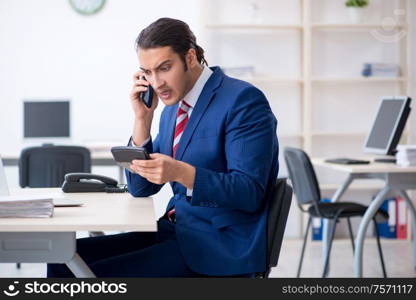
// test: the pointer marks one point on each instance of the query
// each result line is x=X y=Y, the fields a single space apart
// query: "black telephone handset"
x=147 y=96
x=87 y=182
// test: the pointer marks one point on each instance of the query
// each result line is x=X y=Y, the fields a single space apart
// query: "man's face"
x=165 y=72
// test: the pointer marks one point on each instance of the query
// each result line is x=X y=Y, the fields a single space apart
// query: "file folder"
x=401 y=218
x=317 y=224
x=317 y=229
x=387 y=229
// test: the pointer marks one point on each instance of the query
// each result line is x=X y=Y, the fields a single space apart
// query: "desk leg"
x=359 y=241
x=410 y=205
x=121 y=175
x=325 y=229
x=78 y=266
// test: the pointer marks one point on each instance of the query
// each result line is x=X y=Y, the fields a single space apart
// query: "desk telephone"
x=86 y=182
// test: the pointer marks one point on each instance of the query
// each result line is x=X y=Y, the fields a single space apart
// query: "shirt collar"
x=192 y=97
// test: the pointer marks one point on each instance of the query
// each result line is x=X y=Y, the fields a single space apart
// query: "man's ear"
x=191 y=58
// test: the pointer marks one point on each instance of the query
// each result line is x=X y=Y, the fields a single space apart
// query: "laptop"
x=58 y=200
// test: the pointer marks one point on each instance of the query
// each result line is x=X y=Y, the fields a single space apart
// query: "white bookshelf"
x=325 y=33
x=314 y=27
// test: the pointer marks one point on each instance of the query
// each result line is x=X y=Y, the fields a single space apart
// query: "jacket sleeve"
x=250 y=142
x=139 y=186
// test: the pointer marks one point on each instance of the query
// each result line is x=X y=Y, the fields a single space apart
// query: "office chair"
x=46 y=165
x=279 y=205
x=306 y=189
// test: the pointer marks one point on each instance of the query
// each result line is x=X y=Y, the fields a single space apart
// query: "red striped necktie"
x=181 y=121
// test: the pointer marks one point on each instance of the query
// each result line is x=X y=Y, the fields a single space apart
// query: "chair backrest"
x=303 y=177
x=46 y=166
x=279 y=204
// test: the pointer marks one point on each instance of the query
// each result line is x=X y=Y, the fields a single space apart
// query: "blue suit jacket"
x=231 y=140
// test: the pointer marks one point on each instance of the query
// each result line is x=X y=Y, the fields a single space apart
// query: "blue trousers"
x=133 y=254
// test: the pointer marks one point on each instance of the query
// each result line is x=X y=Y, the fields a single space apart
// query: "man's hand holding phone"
x=143 y=114
x=161 y=168
x=138 y=95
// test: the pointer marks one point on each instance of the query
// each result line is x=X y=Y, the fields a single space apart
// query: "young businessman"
x=218 y=149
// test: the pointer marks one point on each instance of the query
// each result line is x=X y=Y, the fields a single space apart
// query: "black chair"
x=46 y=166
x=306 y=189
x=279 y=205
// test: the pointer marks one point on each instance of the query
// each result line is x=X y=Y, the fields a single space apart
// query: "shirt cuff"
x=189 y=192
x=142 y=145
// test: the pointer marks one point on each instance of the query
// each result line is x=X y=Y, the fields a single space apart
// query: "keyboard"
x=385 y=160
x=347 y=161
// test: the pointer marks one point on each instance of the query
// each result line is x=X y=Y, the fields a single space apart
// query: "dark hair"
x=170 y=32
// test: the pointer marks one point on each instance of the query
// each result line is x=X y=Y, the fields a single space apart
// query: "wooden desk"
x=396 y=179
x=54 y=239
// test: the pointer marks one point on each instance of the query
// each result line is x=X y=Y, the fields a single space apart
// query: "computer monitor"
x=46 y=119
x=388 y=125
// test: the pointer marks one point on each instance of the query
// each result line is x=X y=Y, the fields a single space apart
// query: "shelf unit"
x=307 y=26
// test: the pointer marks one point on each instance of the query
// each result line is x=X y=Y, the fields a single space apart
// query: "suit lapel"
x=171 y=129
x=204 y=99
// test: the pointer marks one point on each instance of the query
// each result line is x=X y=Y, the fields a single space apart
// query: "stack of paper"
x=406 y=155
x=26 y=207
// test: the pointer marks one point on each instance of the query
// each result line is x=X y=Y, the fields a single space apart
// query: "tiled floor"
x=397 y=254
